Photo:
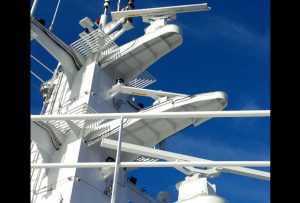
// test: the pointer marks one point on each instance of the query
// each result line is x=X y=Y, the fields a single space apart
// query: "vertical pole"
x=103 y=17
x=119 y=5
x=33 y=7
x=118 y=156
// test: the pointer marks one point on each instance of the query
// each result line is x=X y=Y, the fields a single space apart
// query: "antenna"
x=151 y=13
x=106 y=4
x=82 y=106
x=103 y=17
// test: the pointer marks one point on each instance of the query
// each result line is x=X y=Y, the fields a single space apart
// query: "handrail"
x=190 y=114
x=154 y=164
x=117 y=164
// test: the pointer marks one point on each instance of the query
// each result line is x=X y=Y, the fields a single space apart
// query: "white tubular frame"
x=155 y=164
x=117 y=164
x=33 y=7
x=190 y=114
x=119 y=5
x=155 y=94
x=171 y=156
x=35 y=75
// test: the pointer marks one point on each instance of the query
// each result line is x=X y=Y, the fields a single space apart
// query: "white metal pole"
x=48 y=69
x=171 y=156
x=103 y=19
x=34 y=5
x=190 y=114
x=119 y=5
x=55 y=13
x=40 y=79
x=143 y=92
x=117 y=164
x=155 y=164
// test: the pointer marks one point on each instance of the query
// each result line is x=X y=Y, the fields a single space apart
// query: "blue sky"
x=226 y=49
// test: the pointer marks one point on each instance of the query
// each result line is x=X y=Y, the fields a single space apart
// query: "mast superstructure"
x=95 y=75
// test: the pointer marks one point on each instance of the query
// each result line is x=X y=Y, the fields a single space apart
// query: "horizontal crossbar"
x=190 y=114
x=154 y=164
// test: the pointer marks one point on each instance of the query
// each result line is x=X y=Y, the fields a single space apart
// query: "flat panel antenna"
x=160 y=12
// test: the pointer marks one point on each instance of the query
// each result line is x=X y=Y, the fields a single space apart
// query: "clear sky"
x=225 y=49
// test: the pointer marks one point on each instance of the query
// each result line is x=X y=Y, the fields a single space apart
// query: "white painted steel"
x=90 y=87
x=142 y=80
x=103 y=18
x=171 y=156
x=155 y=94
x=59 y=50
x=131 y=59
x=159 y=129
x=117 y=163
x=162 y=11
x=191 y=114
x=204 y=199
x=34 y=5
x=195 y=189
x=95 y=42
x=155 y=164
x=109 y=27
x=115 y=35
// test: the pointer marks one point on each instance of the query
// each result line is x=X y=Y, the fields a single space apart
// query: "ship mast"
x=89 y=118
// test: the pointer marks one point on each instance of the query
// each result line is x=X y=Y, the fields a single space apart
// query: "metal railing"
x=190 y=114
x=95 y=42
x=117 y=164
x=142 y=80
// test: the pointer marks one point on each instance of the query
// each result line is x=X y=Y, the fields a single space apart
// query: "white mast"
x=93 y=77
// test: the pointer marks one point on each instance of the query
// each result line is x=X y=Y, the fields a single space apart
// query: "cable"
x=52 y=184
x=56 y=148
x=50 y=27
x=54 y=40
x=49 y=130
x=92 y=186
x=40 y=79
x=41 y=64
x=56 y=139
x=48 y=133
